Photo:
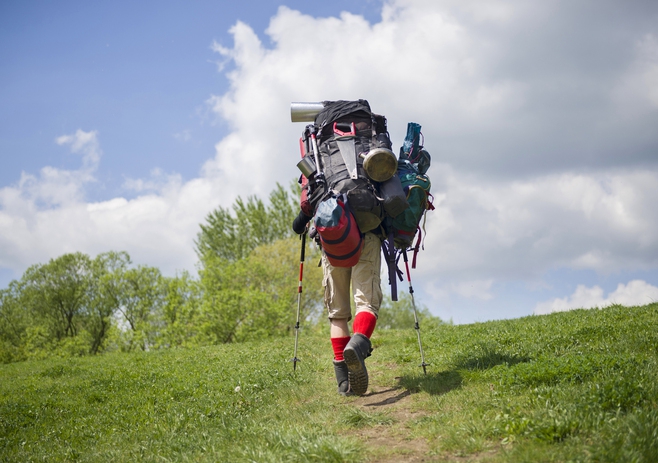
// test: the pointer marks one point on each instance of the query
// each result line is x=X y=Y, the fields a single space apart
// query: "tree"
x=249 y=269
x=180 y=312
x=256 y=296
x=232 y=236
x=57 y=293
x=70 y=305
x=141 y=298
x=13 y=323
x=105 y=294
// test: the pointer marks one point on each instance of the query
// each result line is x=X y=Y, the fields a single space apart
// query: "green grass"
x=573 y=386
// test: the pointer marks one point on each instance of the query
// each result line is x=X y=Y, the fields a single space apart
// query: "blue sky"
x=122 y=125
x=139 y=72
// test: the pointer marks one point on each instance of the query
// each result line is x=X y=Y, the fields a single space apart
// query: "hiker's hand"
x=299 y=224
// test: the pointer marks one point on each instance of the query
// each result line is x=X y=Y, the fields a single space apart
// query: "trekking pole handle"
x=406 y=264
x=319 y=176
x=314 y=145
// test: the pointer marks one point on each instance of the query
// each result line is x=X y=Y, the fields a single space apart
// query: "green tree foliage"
x=76 y=305
x=256 y=296
x=57 y=292
x=250 y=269
x=141 y=303
x=247 y=289
x=104 y=295
x=180 y=312
x=13 y=322
x=232 y=236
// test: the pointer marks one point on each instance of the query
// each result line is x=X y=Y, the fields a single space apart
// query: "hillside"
x=579 y=386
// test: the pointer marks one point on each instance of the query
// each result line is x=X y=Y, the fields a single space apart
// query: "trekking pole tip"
x=294 y=361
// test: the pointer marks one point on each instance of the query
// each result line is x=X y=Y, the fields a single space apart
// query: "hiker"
x=360 y=199
x=344 y=153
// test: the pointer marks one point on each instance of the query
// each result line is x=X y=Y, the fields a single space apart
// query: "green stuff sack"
x=407 y=224
x=402 y=229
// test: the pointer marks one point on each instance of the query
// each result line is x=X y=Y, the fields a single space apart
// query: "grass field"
x=573 y=386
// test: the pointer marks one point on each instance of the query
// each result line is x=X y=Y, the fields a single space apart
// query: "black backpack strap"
x=388 y=248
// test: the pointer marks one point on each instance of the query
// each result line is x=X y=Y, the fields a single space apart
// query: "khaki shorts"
x=365 y=279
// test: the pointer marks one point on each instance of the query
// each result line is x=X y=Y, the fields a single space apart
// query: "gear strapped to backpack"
x=413 y=164
x=412 y=171
x=340 y=237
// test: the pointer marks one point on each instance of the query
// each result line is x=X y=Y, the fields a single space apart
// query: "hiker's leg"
x=366 y=284
x=340 y=336
x=367 y=298
x=339 y=328
x=336 y=284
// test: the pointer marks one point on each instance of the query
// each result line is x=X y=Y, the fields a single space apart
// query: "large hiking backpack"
x=344 y=130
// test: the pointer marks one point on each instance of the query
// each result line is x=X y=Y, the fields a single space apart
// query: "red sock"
x=364 y=323
x=339 y=346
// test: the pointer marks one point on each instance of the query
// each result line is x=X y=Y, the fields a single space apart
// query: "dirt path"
x=392 y=442
x=396 y=441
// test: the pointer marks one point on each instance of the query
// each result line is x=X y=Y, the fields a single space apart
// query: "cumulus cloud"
x=540 y=119
x=635 y=293
x=45 y=216
x=503 y=90
x=483 y=228
x=53 y=187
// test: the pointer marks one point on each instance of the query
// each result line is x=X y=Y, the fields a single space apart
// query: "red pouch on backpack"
x=339 y=234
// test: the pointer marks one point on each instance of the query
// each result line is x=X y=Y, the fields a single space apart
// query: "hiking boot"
x=355 y=354
x=340 y=368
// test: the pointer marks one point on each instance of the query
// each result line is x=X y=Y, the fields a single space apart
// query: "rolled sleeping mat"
x=304 y=111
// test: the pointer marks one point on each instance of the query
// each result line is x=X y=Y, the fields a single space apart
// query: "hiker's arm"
x=299 y=224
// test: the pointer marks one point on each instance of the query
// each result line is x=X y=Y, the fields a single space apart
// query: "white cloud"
x=45 y=216
x=53 y=186
x=476 y=289
x=158 y=182
x=483 y=229
x=635 y=293
x=85 y=143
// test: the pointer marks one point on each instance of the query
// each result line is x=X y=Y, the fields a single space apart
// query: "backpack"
x=342 y=132
x=392 y=208
x=413 y=163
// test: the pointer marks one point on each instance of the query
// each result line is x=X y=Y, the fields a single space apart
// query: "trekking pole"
x=319 y=175
x=413 y=303
x=299 y=299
